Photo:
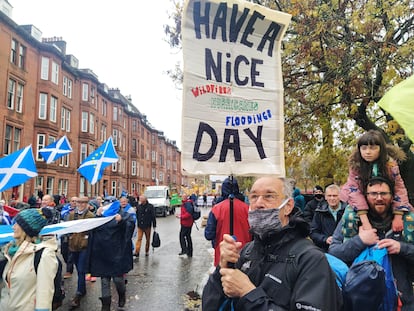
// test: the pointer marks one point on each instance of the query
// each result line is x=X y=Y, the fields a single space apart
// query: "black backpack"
x=59 y=293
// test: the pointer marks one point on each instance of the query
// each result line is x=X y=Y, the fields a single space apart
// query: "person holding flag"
x=23 y=287
x=115 y=236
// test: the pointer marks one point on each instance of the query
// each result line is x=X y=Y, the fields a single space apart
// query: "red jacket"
x=218 y=223
x=186 y=219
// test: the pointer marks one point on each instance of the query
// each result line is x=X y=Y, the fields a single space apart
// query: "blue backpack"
x=369 y=283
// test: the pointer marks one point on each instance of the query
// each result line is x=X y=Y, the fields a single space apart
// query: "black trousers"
x=185 y=241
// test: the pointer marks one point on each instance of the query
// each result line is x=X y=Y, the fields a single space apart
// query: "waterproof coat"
x=310 y=208
x=402 y=263
x=112 y=238
x=23 y=288
x=300 y=281
x=218 y=223
x=146 y=216
x=186 y=217
x=324 y=224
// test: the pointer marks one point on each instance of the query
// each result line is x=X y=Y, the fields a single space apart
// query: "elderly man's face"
x=46 y=200
x=123 y=202
x=267 y=193
x=379 y=198
x=332 y=197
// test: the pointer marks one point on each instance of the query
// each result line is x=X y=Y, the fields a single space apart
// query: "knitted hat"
x=317 y=187
x=94 y=203
x=32 y=220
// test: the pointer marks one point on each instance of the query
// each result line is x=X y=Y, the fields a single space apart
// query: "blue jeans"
x=79 y=260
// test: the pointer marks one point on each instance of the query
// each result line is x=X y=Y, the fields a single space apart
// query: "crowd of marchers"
x=26 y=286
x=283 y=263
x=270 y=249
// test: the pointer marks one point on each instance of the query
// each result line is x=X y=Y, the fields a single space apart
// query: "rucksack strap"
x=37 y=256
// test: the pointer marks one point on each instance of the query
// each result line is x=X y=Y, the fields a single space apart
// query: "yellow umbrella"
x=399 y=102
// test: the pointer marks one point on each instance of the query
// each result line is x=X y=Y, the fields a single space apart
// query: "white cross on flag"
x=16 y=168
x=56 y=150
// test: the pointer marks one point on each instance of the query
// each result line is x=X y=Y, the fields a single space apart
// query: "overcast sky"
x=122 y=42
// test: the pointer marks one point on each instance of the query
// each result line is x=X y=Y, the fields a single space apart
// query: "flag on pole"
x=56 y=150
x=93 y=166
x=398 y=102
x=16 y=168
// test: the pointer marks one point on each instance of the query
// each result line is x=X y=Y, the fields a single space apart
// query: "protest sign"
x=233 y=88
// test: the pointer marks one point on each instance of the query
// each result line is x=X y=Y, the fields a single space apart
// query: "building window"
x=115 y=114
x=51 y=140
x=115 y=137
x=55 y=73
x=63 y=186
x=53 y=109
x=133 y=168
x=85 y=91
x=11 y=94
x=49 y=185
x=15 y=95
x=64 y=161
x=39 y=183
x=134 y=125
x=114 y=167
x=83 y=152
x=134 y=146
x=19 y=97
x=84 y=124
x=42 y=106
x=104 y=107
x=91 y=124
x=103 y=132
x=93 y=96
x=65 y=119
x=70 y=84
x=113 y=188
x=153 y=174
x=44 y=71
x=13 y=52
x=11 y=139
x=65 y=86
x=41 y=142
x=22 y=57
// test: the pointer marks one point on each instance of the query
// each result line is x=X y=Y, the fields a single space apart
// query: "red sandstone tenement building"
x=44 y=96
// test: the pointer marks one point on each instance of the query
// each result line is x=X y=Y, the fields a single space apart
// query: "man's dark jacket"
x=110 y=247
x=324 y=224
x=146 y=216
x=282 y=283
x=310 y=208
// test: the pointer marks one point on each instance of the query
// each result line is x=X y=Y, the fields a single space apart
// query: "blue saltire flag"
x=93 y=166
x=73 y=226
x=56 y=150
x=16 y=168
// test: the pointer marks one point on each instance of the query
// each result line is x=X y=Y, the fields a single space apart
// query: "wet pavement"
x=163 y=280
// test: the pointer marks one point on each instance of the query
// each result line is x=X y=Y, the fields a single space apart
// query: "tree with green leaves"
x=339 y=58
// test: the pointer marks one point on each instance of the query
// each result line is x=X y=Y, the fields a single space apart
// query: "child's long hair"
x=372 y=137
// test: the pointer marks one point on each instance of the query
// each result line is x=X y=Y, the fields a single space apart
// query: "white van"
x=159 y=197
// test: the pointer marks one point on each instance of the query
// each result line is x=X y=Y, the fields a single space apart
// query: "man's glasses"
x=268 y=197
x=375 y=195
